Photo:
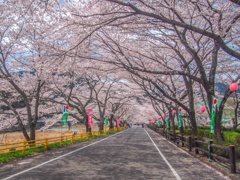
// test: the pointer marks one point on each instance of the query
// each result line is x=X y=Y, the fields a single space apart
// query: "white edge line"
x=14 y=175
x=166 y=161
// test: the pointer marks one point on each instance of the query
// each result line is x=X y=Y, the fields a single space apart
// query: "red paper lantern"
x=67 y=107
x=203 y=109
x=174 y=112
x=233 y=87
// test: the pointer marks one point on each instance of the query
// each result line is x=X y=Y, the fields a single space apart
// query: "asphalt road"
x=136 y=153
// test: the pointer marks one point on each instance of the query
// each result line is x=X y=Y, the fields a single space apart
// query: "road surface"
x=136 y=153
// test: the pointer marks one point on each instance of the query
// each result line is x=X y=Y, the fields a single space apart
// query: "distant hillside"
x=222 y=88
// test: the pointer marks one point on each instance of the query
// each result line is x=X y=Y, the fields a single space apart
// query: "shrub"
x=177 y=131
x=232 y=137
x=203 y=127
x=204 y=132
x=188 y=131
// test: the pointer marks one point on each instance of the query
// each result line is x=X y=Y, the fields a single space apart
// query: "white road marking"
x=23 y=163
x=14 y=175
x=166 y=161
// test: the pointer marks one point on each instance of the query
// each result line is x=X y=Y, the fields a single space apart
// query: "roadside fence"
x=225 y=155
x=46 y=142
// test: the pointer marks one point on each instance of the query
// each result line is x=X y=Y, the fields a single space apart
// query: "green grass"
x=19 y=154
x=10 y=156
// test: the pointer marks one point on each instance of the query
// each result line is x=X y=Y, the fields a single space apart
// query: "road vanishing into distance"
x=136 y=153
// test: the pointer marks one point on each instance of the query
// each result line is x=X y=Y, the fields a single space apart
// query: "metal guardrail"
x=33 y=144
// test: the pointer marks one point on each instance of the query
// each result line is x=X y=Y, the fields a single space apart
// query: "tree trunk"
x=218 y=129
x=24 y=131
x=193 y=122
x=111 y=122
x=101 y=126
x=192 y=118
x=236 y=114
x=32 y=131
x=173 y=128
x=164 y=125
x=191 y=113
x=86 y=124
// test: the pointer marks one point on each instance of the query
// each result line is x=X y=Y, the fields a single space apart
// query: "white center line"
x=14 y=175
x=166 y=161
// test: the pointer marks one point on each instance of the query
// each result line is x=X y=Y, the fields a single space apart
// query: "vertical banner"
x=167 y=123
x=106 y=122
x=159 y=123
x=180 y=124
x=118 y=123
x=90 y=114
x=213 y=115
x=65 y=115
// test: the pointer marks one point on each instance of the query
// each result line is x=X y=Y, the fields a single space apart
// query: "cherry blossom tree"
x=174 y=22
x=87 y=52
x=23 y=61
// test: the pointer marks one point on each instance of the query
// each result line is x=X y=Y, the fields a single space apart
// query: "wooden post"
x=177 y=139
x=73 y=137
x=196 y=145
x=61 y=139
x=210 y=149
x=24 y=146
x=232 y=158
x=190 y=143
x=182 y=139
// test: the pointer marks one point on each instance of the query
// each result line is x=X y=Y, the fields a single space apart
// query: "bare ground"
x=18 y=136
